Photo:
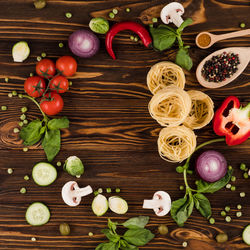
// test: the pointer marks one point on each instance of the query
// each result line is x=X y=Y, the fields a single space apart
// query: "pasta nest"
x=202 y=110
x=176 y=144
x=170 y=106
x=164 y=74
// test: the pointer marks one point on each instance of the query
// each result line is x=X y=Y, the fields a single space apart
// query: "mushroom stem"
x=176 y=18
x=82 y=191
x=151 y=204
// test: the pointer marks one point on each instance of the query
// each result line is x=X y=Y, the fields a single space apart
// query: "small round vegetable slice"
x=100 y=205
x=246 y=235
x=44 y=174
x=20 y=51
x=118 y=205
x=37 y=214
x=99 y=25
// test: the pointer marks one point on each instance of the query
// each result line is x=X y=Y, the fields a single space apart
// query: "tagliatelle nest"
x=202 y=110
x=170 y=106
x=164 y=74
x=176 y=144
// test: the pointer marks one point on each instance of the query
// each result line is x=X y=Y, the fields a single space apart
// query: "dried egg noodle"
x=164 y=74
x=202 y=110
x=176 y=144
x=170 y=106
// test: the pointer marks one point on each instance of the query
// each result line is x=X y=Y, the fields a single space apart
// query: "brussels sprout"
x=99 y=25
x=73 y=165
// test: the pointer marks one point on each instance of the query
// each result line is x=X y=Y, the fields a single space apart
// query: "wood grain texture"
x=110 y=127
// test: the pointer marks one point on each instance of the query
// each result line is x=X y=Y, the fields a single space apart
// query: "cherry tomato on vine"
x=59 y=84
x=46 y=68
x=52 y=103
x=67 y=65
x=34 y=86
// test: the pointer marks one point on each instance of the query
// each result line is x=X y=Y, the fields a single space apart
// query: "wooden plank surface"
x=110 y=127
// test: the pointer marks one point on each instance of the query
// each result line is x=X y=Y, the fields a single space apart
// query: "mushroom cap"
x=165 y=203
x=170 y=8
x=67 y=194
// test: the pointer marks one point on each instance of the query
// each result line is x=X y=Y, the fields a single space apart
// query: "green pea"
x=25 y=149
x=60 y=45
x=26 y=177
x=233 y=178
x=25 y=121
x=24 y=109
x=196 y=182
x=100 y=190
x=238 y=214
x=96 y=193
x=211 y=220
x=242 y=194
x=14 y=93
x=223 y=213
x=115 y=11
x=136 y=39
x=68 y=15
x=228 y=186
x=179 y=169
x=59 y=164
x=108 y=190
x=242 y=25
x=184 y=244
x=117 y=190
x=239 y=206
x=228 y=219
x=16 y=130
x=181 y=187
x=10 y=95
x=221 y=238
x=230 y=167
x=64 y=229
x=23 y=117
x=243 y=166
x=20 y=95
x=163 y=229
x=20 y=124
x=6 y=79
x=3 y=108
x=70 y=83
x=31 y=74
x=132 y=38
x=90 y=234
x=154 y=20
x=9 y=170
x=111 y=15
x=39 y=4
x=245 y=175
x=227 y=208
x=33 y=239
x=233 y=188
x=190 y=172
x=23 y=190
x=43 y=54
x=38 y=58
x=127 y=10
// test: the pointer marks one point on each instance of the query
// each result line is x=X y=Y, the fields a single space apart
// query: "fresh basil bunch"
x=135 y=236
x=164 y=38
x=48 y=132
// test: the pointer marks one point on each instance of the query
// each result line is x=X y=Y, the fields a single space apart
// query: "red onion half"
x=211 y=166
x=84 y=43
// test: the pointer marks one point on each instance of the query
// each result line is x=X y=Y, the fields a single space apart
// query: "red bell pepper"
x=133 y=26
x=232 y=121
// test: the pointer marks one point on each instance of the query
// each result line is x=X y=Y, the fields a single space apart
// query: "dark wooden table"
x=110 y=127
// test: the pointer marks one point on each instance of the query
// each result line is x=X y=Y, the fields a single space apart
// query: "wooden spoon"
x=215 y=38
x=244 y=58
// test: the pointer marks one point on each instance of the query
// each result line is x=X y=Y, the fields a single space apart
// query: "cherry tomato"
x=59 y=84
x=46 y=68
x=34 y=86
x=52 y=103
x=67 y=65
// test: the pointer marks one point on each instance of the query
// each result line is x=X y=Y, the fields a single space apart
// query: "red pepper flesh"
x=133 y=26
x=232 y=121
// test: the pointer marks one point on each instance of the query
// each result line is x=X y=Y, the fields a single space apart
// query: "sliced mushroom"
x=72 y=194
x=161 y=203
x=172 y=13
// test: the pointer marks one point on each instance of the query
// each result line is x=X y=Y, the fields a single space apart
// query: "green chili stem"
x=37 y=104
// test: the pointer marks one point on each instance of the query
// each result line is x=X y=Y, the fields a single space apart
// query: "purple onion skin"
x=211 y=166
x=77 y=38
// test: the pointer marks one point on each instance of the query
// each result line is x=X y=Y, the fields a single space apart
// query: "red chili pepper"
x=133 y=26
x=232 y=121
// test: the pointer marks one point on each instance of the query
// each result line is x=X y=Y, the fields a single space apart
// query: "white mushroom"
x=172 y=13
x=72 y=194
x=161 y=203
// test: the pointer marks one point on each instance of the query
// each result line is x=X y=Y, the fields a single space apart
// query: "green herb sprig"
x=182 y=208
x=135 y=236
x=164 y=38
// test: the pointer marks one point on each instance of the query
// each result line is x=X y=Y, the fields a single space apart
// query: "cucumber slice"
x=246 y=235
x=37 y=214
x=44 y=174
x=100 y=205
x=118 y=205
x=20 y=51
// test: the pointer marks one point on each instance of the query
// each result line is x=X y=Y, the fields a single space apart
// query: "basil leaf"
x=42 y=130
x=167 y=27
x=211 y=187
x=203 y=206
x=162 y=38
x=31 y=133
x=58 y=123
x=51 y=143
x=124 y=245
x=107 y=246
x=184 y=24
x=136 y=222
x=112 y=225
x=110 y=235
x=138 y=237
x=183 y=59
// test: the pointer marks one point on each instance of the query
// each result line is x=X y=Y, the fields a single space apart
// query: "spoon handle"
x=232 y=34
